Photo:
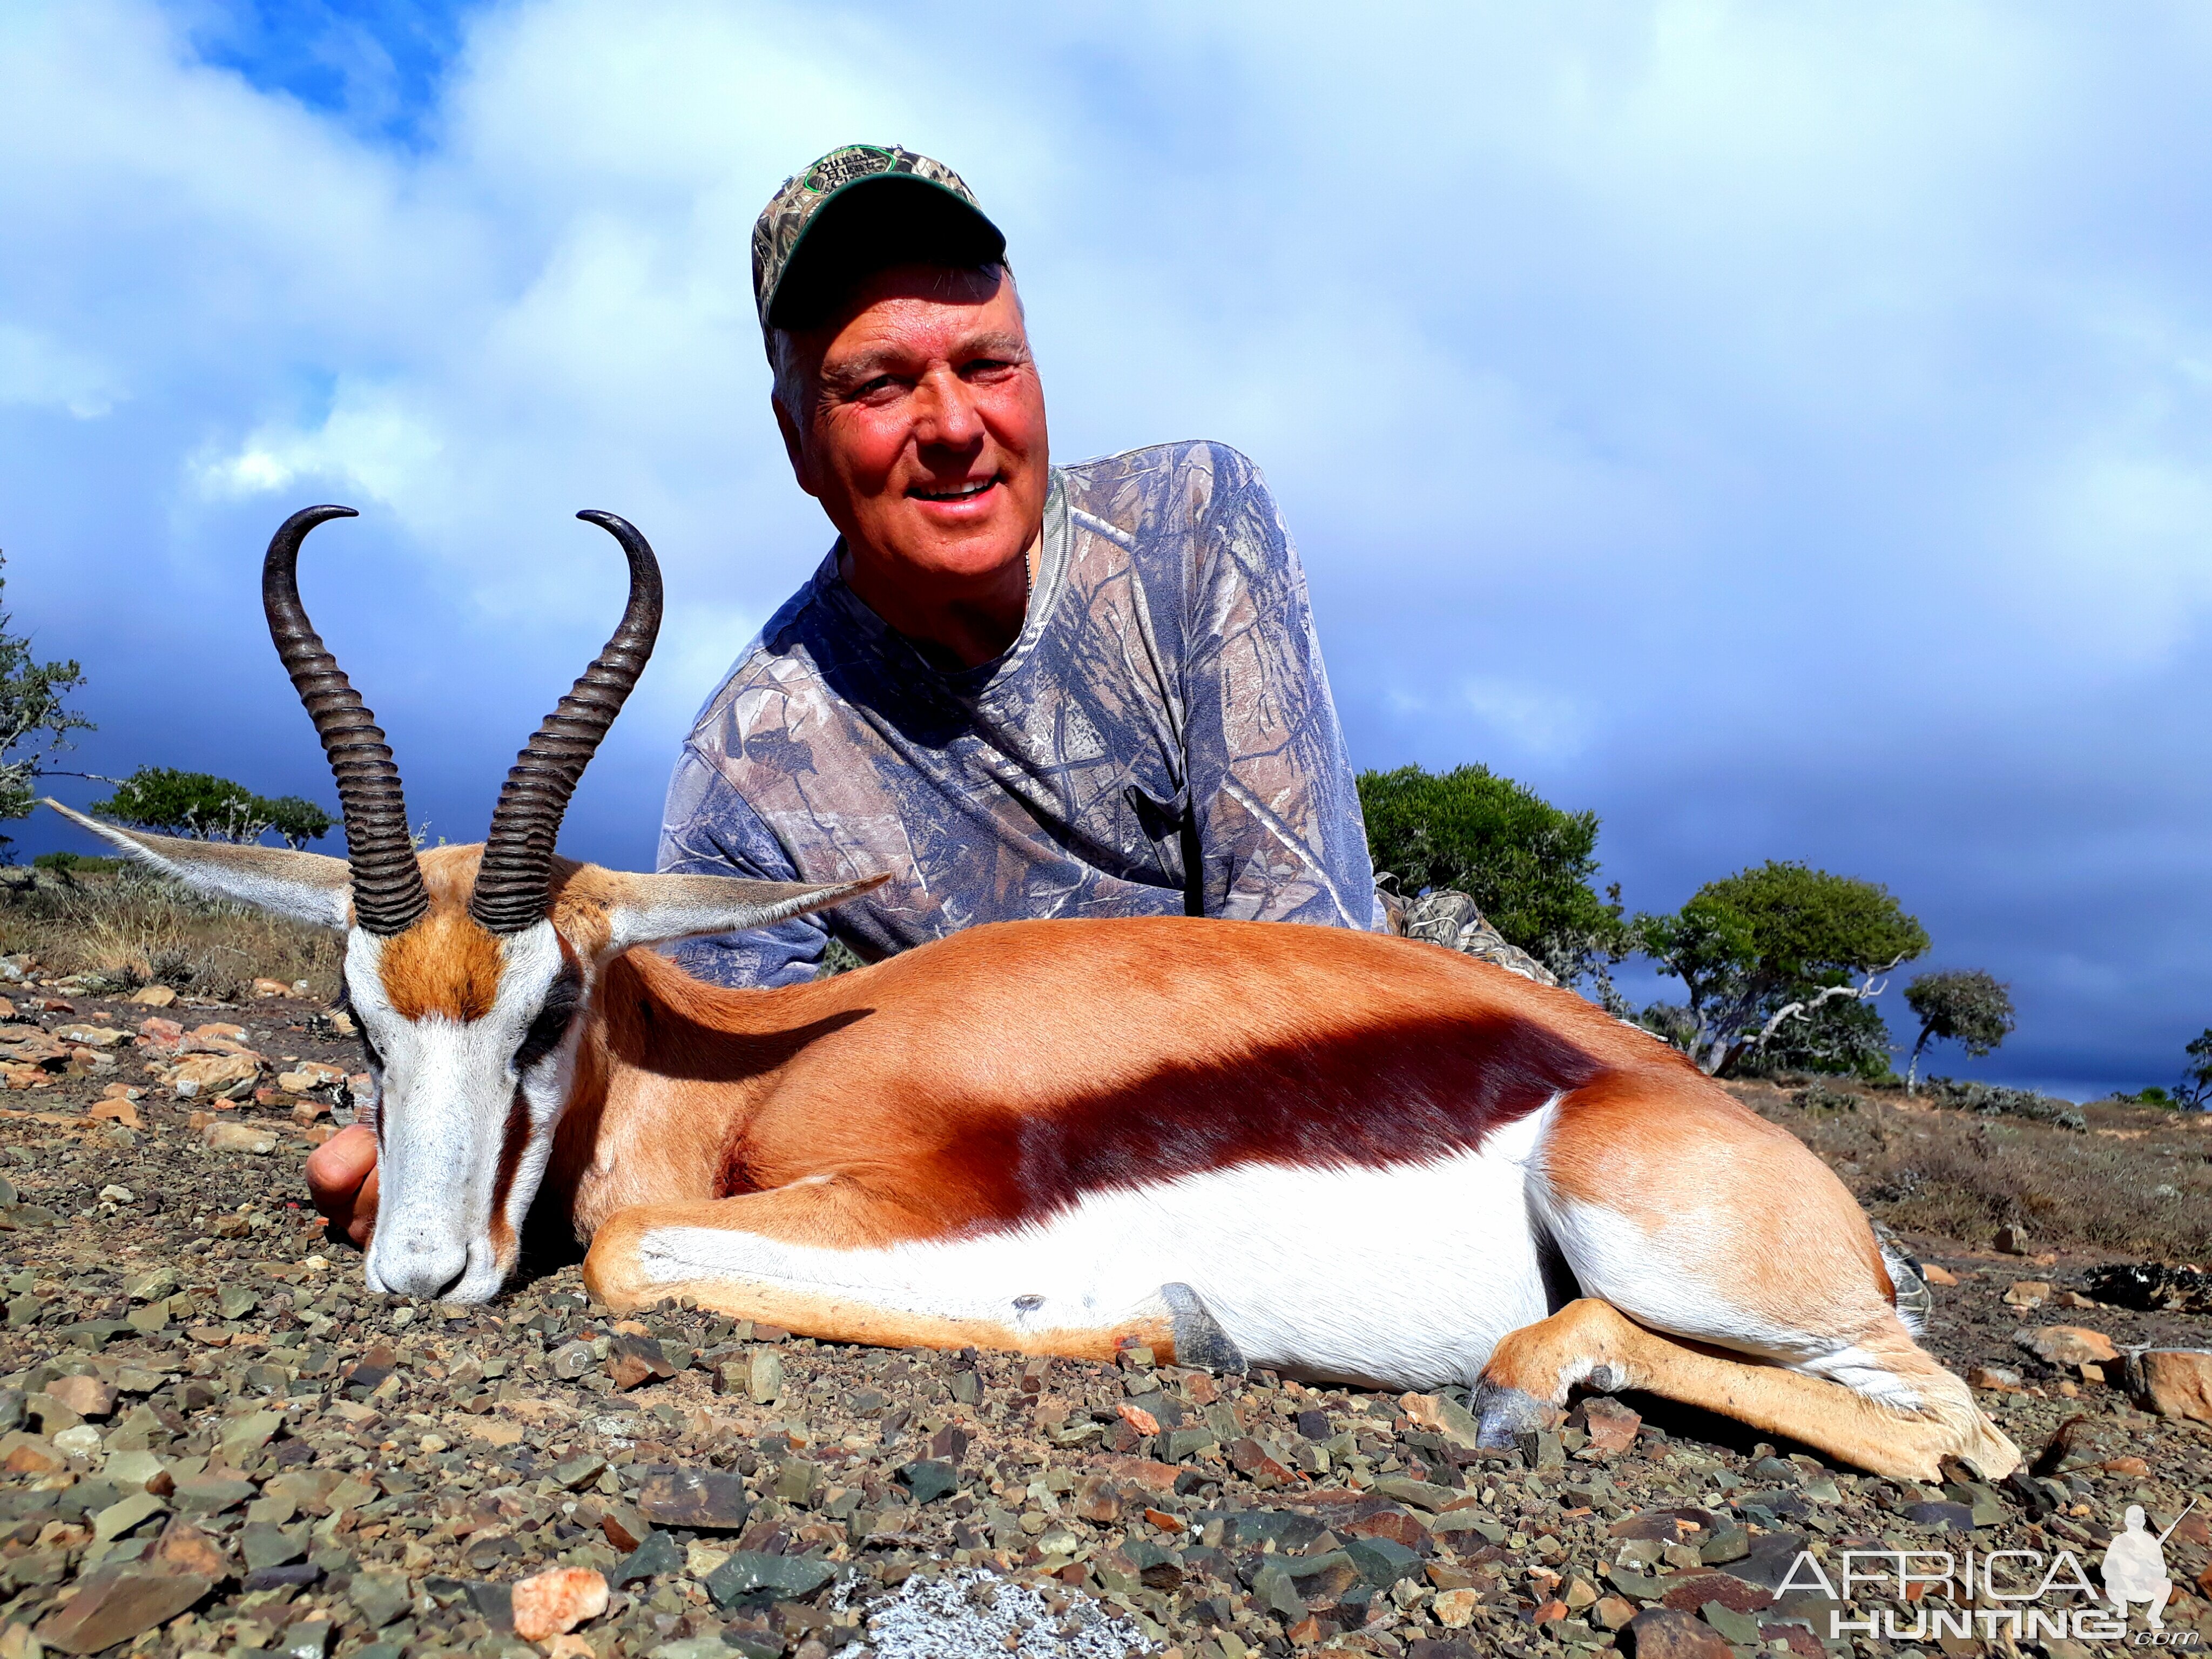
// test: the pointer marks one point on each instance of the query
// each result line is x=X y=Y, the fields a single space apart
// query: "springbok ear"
x=304 y=886
x=661 y=909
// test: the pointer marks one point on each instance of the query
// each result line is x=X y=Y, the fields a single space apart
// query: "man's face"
x=925 y=436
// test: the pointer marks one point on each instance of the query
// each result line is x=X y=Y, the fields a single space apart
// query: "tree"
x=1765 y=948
x=1844 y=1036
x=299 y=820
x=2195 y=1090
x=35 y=719
x=1527 y=865
x=205 y=807
x=1958 y=1005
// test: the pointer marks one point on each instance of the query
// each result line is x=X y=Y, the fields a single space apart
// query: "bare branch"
x=1804 y=1010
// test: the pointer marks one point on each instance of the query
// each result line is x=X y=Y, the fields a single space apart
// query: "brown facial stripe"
x=511 y=1148
x=444 y=965
x=1402 y=1092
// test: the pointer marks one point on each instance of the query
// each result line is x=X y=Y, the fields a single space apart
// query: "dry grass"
x=2137 y=1182
x=125 y=929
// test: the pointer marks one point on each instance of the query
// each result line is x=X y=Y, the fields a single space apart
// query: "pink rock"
x=1611 y=1425
x=553 y=1602
x=88 y=1396
x=2069 y=1345
x=162 y=1036
x=1139 y=1419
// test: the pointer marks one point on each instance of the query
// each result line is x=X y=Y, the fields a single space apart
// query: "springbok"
x=1341 y=1155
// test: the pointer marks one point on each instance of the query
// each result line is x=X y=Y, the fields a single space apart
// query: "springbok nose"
x=423 y=1268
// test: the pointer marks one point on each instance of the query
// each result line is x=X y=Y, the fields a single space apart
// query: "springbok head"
x=465 y=966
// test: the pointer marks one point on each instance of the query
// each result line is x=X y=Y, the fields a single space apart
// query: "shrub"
x=35 y=719
x=1960 y=1005
x=205 y=807
x=76 y=863
x=1844 y=1036
x=131 y=928
x=1963 y=1175
x=1529 y=866
x=1766 y=954
x=1994 y=1100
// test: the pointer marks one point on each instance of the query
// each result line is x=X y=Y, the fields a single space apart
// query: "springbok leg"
x=1682 y=1213
x=1589 y=1340
x=827 y=1259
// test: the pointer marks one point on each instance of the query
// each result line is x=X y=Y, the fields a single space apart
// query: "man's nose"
x=947 y=414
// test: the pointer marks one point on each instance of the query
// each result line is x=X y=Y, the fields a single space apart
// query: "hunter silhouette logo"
x=2135 y=1567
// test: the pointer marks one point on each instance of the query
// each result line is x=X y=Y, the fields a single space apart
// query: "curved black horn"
x=387 y=884
x=514 y=881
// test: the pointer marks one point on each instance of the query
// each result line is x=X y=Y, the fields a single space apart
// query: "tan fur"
x=1540 y=1359
x=837 y=1217
x=585 y=898
x=1655 y=1144
x=445 y=966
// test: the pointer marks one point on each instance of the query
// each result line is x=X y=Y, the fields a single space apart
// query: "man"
x=1022 y=690
x=1019 y=690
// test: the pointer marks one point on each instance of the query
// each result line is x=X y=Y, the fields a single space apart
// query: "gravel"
x=217 y=1443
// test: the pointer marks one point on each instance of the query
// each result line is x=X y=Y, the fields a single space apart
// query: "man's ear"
x=661 y=909
x=795 y=443
x=304 y=886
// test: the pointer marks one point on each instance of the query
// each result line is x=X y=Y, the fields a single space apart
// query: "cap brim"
x=887 y=219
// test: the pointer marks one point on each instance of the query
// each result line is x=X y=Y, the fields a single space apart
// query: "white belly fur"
x=1406 y=1276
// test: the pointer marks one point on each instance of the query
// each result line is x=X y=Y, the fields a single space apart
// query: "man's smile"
x=959 y=492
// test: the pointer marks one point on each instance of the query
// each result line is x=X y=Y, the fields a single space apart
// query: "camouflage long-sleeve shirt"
x=1163 y=706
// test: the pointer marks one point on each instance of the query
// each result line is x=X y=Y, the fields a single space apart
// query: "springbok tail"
x=1915 y=1301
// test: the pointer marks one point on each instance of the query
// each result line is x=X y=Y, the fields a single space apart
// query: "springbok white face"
x=465 y=982
x=465 y=1115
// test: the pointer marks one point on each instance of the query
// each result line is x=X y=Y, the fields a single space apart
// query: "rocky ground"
x=217 y=1442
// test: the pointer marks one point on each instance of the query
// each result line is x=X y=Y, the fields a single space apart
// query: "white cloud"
x=43 y=373
x=1533 y=719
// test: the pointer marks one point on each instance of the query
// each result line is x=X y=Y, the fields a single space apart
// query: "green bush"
x=76 y=863
x=205 y=807
x=1529 y=866
x=1844 y=1037
x=1772 y=959
x=35 y=720
x=1960 y=1005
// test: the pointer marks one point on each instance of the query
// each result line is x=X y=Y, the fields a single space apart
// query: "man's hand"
x=342 y=1179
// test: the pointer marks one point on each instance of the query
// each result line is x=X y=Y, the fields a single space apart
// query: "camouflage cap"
x=893 y=205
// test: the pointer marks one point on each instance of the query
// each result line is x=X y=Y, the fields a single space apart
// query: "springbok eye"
x=552 y=1022
x=345 y=1006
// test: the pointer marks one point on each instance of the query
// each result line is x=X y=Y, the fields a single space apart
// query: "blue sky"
x=1782 y=429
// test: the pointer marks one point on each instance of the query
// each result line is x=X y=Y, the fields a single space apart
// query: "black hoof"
x=1503 y=1415
x=1200 y=1341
